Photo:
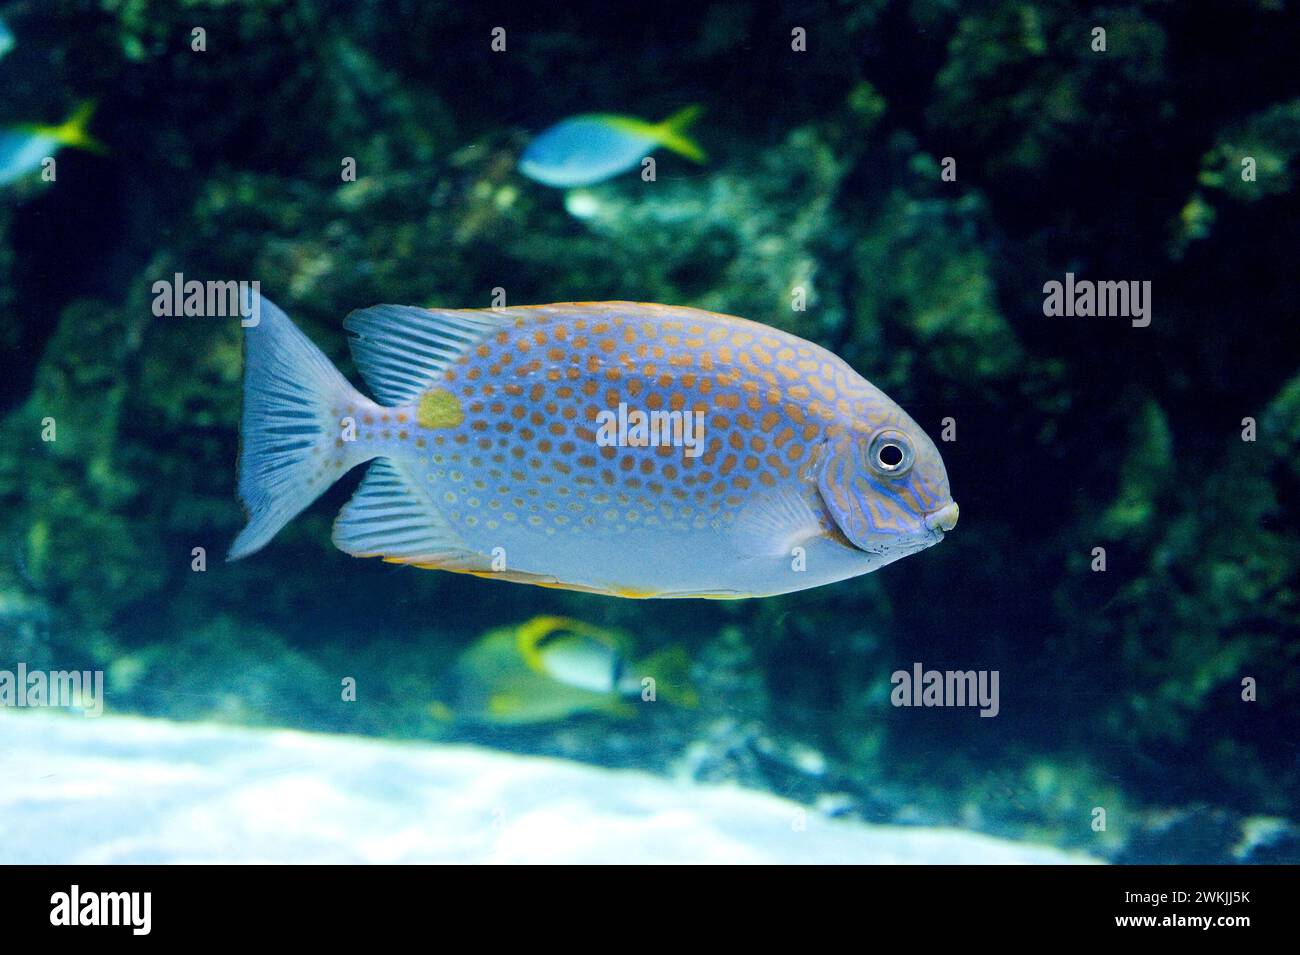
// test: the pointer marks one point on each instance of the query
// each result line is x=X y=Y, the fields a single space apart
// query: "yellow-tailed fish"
x=612 y=447
x=553 y=667
x=24 y=148
x=591 y=148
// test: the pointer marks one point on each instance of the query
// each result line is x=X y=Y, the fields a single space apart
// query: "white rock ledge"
x=128 y=790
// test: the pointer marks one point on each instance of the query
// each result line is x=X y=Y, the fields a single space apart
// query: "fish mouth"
x=943 y=519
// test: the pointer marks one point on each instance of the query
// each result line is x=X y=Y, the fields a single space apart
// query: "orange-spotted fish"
x=612 y=447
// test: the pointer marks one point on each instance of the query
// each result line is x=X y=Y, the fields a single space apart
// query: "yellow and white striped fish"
x=613 y=447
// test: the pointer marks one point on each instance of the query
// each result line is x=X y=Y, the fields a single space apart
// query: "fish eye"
x=891 y=453
x=889 y=457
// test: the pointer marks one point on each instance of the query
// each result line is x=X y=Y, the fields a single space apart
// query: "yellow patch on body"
x=439 y=408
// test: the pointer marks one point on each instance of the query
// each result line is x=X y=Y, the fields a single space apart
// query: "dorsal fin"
x=401 y=350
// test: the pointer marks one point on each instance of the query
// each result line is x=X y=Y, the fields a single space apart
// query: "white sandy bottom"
x=127 y=790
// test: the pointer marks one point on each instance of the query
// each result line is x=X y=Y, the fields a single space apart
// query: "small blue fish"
x=6 y=39
x=24 y=148
x=594 y=147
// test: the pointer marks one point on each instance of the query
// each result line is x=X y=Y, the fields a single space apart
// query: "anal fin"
x=392 y=517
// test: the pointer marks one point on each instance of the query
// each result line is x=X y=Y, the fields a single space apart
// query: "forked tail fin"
x=672 y=133
x=291 y=435
x=74 y=132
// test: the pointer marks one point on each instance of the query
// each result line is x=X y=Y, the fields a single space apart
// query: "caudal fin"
x=672 y=133
x=74 y=132
x=291 y=448
x=671 y=670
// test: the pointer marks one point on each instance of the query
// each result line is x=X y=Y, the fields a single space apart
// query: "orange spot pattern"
x=526 y=453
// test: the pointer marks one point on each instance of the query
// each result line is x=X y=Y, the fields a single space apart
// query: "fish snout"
x=944 y=518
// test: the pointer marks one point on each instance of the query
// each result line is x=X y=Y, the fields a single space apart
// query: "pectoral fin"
x=775 y=521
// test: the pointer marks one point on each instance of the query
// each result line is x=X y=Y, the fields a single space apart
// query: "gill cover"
x=860 y=500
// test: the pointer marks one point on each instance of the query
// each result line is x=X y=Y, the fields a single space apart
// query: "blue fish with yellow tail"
x=550 y=668
x=584 y=150
x=611 y=447
x=24 y=148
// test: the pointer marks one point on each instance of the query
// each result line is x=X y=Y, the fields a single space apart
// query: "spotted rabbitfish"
x=618 y=448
